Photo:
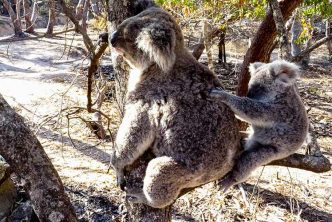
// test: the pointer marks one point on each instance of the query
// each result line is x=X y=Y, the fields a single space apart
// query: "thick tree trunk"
x=51 y=17
x=29 y=26
x=15 y=19
x=26 y=157
x=118 y=11
x=262 y=43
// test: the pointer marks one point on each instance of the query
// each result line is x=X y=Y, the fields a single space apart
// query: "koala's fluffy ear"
x=158 y=42
x=254 y=66
x=285 y=72
x=141 y=5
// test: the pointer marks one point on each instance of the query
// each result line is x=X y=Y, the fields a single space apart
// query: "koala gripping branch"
x=317 y=164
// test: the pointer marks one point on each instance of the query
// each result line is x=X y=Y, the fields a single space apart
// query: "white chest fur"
x=134 y=78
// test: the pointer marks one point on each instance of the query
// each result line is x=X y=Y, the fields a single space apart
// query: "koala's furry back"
x=190 y=127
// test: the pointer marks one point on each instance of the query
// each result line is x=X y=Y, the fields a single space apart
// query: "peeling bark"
x=284 y=49
x=27 y=158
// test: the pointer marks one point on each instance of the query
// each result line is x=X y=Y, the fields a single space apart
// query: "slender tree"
x=29 y=26
x=15 y=18
x=51 y=17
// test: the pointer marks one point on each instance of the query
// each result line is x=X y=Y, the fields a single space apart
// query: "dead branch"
x=78 y=28
x=94 y=64
x=308 y=50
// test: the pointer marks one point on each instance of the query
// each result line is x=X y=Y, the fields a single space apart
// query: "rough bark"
x=284 y=49
x=118 y=11
x=29 y=26
x=51 y=17
x=262 y=43
x=26 y=157
x=15 y=19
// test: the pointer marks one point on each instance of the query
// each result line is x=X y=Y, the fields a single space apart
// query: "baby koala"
x=276 y=113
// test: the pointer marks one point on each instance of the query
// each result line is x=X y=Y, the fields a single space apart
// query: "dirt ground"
x=39 y=78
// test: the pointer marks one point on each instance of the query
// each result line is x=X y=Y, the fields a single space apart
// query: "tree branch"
x=311 y=48
x=317 y=164
x=86 y=39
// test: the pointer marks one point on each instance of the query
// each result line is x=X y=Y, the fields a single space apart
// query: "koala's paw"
x=135 y=197
x=226 y=183
x=120 y=180
x=217 y=93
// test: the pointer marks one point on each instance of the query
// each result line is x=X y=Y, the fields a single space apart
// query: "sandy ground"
x=40 y=77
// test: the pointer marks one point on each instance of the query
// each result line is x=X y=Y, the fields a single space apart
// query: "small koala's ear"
x=254 y=66
x=158 y=42
x=285 y=72
x=141 y=5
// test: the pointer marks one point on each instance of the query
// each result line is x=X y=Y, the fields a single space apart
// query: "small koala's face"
x=147 y=38
x=270 y=79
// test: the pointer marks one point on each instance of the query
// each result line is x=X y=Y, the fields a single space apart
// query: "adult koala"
x=194 y=138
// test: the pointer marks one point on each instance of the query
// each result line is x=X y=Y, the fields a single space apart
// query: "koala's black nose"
x=114 y=38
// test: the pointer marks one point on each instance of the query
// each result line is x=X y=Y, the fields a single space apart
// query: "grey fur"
x=276 y=112
x=194 y=138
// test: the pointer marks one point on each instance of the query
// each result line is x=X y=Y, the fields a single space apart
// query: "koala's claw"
x=226 y=183
x=135 y=198
x=120 y=180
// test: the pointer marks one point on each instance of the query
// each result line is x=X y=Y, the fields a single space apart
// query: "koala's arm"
x=134 y=137
x=251 y=111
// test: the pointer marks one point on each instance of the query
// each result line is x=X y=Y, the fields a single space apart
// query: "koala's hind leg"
x=163 y=182
x=255 y=156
